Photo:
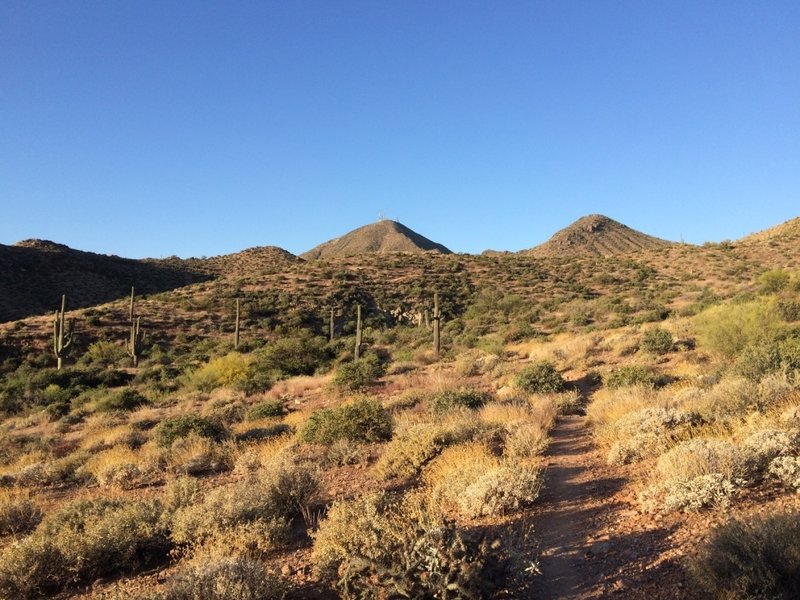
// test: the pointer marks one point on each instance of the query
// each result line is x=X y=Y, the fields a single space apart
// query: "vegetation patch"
x=363 y=420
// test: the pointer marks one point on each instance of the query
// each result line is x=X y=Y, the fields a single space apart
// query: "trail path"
x=593 y=541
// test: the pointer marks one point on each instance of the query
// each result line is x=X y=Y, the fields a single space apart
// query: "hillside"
x=381 y=237
x=34 y=274
x=596 y=235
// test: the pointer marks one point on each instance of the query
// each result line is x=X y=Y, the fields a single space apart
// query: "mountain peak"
x=375 y=238
x=596 y=235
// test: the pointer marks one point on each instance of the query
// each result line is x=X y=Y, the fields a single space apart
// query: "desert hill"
x=252 y=261
x=596 y=235
x=381 y=237
x=34 y=274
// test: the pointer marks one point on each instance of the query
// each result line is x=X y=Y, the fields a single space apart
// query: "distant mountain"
x=253 y=261
x=596 y=235
x=381 y=237
x=34 y=274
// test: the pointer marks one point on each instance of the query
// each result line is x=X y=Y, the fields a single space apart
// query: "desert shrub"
x=458 y=398
x=688 y=494
x=194 y=454
x=756 y=559
x=693 y=458
x=788 y=309
x=173 y=428
x=18 y=512
x=630 y=375
x=266 y=409
x=359 y=374
x=540 y=378
x=270 y=500
x=730 y=328
x=773 y=281
x=124 y=400
x=418 y=443
x=646 y=433
x=657 y=341
x=222 y=371
x=82 y=541
x=525 y=441
x=291 y=356
x=180 y=492
x=225 y=410
x=469 y=479
x=259 y=434
x=343 y=452
x=375 y=545
x=758 y=360
x=255 y=381
x=363 y=420
x=761 y=447
x=786 y=469
x=117 y=467
x=103 y=354
x=225 y=578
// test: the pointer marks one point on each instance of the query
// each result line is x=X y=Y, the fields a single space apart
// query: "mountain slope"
x=381 y=237
x=34 y=274
x=595 y=235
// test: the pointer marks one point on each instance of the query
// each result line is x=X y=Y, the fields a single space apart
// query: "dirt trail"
x=592 y=539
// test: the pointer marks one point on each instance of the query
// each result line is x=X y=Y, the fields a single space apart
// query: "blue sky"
x=202 y=128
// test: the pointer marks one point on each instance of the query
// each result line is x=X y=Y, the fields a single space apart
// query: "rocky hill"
x=34 y=274
x=596 y=235
x=381 y=237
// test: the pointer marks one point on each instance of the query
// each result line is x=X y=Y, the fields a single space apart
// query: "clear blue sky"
x=201 y=128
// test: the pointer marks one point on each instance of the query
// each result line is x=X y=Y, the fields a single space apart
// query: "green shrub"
x=376 y=547
x=364 y=420
x=173 y=428
x=773 y=281
x=788 y=309
x=81 y=542
x=460 y=398
x=657 y=341
x=730 y=328
x=359 y=374
x=288 y=357
x=127 y=399
x=222 y=371
x=103 y=354
x=540 y=378
x=759 y=559
x=255 y=381
x=756 y=361
x=18 y=512
x=629 y=375
x=266 y=409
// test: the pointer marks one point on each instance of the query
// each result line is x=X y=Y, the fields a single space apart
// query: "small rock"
x=286 y=570
x=599 y=547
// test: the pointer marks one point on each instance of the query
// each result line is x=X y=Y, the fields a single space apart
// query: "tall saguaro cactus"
x=358 y=332
x=331 y=325
x=62 y=332
x=236 y=328
x=130 y=311
x=437 y=316
x=135 y=342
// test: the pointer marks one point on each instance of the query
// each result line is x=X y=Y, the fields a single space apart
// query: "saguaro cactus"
x=135 y=342
x=331 y=325
x=236 y=328
x=437 y=316
x=358 y=332
x=62 y=334
x=130 y=311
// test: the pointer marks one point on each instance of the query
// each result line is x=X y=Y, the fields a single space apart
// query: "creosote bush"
x=540 y=378
x=18 y=512
x=657 y=341
x=459 y=398
x=630 y=375
x=266 y=409
x=363 y=420
x=759 y=559
x=359 y=374
x=124 y=400
x=173 y=428
x=225 y=578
